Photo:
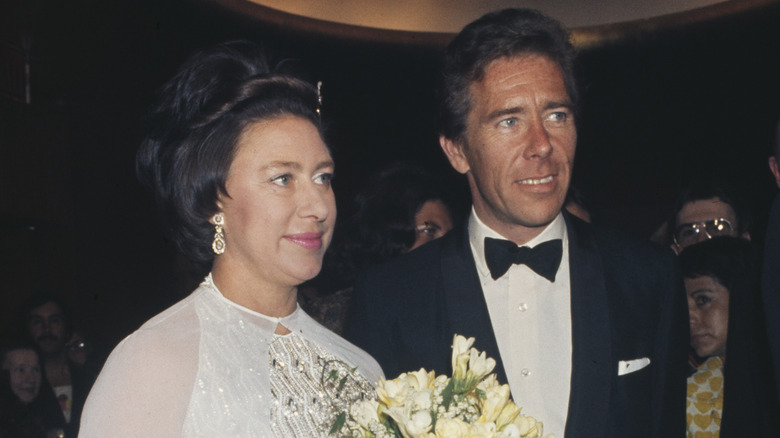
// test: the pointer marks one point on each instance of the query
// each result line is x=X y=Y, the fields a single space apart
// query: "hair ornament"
x=319 y=97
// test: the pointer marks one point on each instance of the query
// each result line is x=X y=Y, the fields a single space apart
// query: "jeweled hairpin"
x=319 y=96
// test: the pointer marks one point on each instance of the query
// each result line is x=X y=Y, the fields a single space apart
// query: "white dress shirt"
x=531 y=319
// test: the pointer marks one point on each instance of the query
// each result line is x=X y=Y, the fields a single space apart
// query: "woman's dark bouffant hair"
x=509 y=32
x=731 y=261
x=385 y=209
x=193 y=129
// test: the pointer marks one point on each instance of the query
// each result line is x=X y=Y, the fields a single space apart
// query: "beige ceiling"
x=433 y=22
x=450 y=16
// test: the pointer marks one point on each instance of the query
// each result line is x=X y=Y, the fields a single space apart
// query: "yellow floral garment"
x=704 y=406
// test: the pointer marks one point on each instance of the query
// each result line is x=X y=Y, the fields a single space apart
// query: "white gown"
x=209 y=367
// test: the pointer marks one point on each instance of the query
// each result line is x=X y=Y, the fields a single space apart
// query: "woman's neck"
x=253 y=292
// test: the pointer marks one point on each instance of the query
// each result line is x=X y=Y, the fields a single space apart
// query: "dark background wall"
x=658 y=109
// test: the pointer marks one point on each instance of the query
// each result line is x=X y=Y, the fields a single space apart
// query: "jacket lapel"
x=592 y=362
x=463 y=298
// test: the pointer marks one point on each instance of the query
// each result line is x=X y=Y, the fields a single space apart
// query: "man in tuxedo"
x=770 y=276
x=588 y=328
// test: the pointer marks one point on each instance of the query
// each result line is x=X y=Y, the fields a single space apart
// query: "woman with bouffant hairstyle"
x=235 y=156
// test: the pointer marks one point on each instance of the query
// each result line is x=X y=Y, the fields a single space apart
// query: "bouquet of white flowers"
x=471 y=403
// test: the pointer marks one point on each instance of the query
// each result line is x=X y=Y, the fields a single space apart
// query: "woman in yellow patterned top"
x=720 y=284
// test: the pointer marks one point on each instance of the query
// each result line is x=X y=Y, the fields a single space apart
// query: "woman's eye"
x=323 y=178
x=428 y=228
x=282 y=180
x=508 y=123
x=702 y=300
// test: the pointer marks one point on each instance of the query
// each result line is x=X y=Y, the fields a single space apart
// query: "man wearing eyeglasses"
x=706 y=210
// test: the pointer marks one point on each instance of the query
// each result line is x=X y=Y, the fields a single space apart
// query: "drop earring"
x=218 y=245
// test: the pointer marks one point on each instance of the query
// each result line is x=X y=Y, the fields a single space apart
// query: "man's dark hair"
x=39 y=299
x=193 y=130
x=703 y=190
x=505 y=33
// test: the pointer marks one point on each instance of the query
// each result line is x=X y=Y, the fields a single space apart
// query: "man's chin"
x=50 y=348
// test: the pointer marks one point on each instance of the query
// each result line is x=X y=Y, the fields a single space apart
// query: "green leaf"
x=340 y=420
x=391 y=427
x=447 y=394
x=342 y=382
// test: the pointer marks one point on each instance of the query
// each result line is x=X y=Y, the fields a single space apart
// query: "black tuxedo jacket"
x=770 y=286
x=627 y=302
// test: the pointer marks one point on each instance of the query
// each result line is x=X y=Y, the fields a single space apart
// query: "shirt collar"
x=478 y=231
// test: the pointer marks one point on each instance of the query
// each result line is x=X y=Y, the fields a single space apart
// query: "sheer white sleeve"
x=145 y=386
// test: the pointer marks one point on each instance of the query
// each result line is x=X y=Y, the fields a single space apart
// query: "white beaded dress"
x=210 y=367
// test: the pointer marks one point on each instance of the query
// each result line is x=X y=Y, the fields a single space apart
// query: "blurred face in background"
x=432 y=220
x=701 y=220
x=78 y=348
x=46 y=326
x=25 y=370
x=708 y=308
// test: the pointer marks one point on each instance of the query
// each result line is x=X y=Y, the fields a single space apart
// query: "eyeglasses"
x=688 y=234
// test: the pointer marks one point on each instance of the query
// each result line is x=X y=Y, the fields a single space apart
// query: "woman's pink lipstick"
x=311 y=241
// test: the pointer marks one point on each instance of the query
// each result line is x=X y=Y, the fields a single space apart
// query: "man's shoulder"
x=616 y=244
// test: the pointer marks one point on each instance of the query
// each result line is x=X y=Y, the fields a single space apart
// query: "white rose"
x=508 y=414
x=422 y=399
x=420 y=423
x=365 y=412
x=511 y=431
x=529 y=427
x=479 y=364
x=460 y=356
x=400 y=417
x=393 y=392
x=421 y=379
x=487 y=383
x=495 y=400
x=411 y=424
x=451 y=428
x=482 y=430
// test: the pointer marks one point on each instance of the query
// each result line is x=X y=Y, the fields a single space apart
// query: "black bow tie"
x=543 y=259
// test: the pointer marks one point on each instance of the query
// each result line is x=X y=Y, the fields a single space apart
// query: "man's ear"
x=773 y=166
x=454 y=152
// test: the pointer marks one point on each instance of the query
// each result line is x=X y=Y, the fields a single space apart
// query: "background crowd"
x=51 y=364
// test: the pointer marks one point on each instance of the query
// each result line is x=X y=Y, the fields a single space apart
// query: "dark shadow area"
x=657 y=109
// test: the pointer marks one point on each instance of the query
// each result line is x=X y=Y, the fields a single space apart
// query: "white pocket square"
x=629 y=366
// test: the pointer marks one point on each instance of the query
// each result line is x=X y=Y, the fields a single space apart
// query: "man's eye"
x=282 y=180
x=324 y=178
x=558 y=116
x=508 y=123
